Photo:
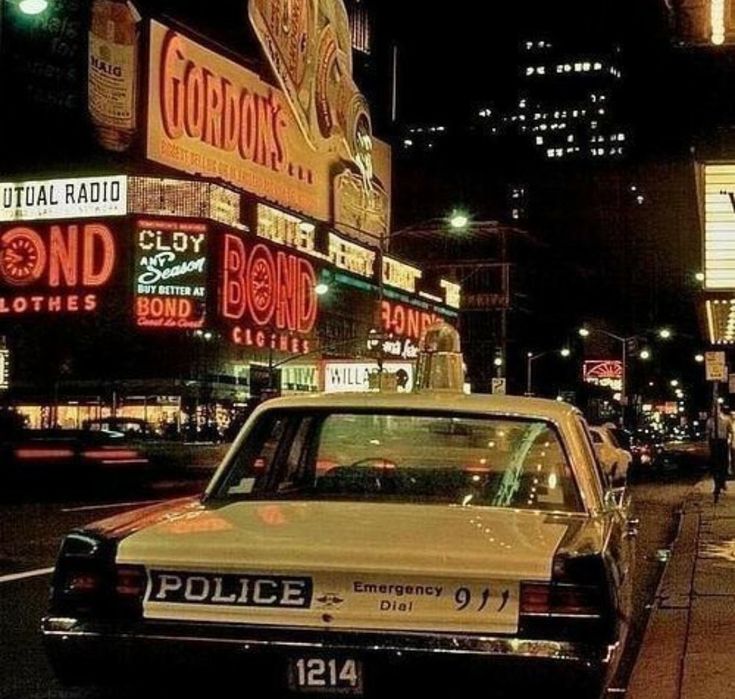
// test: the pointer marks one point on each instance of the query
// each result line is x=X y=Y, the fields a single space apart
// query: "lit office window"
x=360 y=26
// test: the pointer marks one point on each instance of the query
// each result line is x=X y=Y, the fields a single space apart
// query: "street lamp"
x=459 y=220
x=699 y=276
x=665 y=334
x=583 y=332
x=565 y=352
x=321 y=289
x=33 y=7
x=699 y=358
x=674 y=383
x=645 y=354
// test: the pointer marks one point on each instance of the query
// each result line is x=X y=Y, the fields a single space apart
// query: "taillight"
x=558 y=599
x=88 y=583
x=574 y=605
x=131 y=582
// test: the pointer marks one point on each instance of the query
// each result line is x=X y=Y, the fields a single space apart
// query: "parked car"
x=614 y=458
x=356 y=544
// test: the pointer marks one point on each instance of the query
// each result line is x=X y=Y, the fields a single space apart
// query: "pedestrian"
x=719 y=431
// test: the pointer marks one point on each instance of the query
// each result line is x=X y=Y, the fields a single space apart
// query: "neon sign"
x=607 y=373
x=170 y=274
x=406 y=321
x=61 y=259
x=405 y=325
x=269 y=293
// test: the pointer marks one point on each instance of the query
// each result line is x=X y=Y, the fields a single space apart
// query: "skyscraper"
x=568 y=101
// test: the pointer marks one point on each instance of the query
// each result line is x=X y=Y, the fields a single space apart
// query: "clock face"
x=22 y=257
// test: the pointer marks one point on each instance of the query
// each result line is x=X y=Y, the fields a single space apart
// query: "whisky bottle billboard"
x=112 y=81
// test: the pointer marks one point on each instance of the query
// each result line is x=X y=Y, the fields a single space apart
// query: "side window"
x=296 y=471
x=588 y=437
x=254 y=464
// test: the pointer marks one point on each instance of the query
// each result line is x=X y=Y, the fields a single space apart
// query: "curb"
x=658 y=668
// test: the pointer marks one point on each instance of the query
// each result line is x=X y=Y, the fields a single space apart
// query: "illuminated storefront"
x=149 y=314
x=717 y=310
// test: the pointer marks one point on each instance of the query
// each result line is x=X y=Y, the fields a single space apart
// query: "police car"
x=358 y=543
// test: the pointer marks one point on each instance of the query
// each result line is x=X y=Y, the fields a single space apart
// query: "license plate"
x=325 y=675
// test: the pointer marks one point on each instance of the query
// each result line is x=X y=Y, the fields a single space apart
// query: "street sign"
x=499 y=387
x=715 y=367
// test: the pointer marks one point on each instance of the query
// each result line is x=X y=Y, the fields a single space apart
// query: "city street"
x=30 y=535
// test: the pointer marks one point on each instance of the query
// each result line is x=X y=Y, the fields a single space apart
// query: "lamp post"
x=531 y=358
x=461 y=222
x=457 y=221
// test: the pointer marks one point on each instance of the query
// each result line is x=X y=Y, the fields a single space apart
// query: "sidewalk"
x=689 y=647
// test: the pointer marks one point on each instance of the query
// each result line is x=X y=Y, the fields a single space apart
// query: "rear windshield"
x=402 y=457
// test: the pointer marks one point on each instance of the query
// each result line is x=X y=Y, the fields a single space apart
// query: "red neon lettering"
x=194 y=115
x=20 y=304
x=213 y=125
x=248 y=125
x=171 y=89
x=233 y=278
x=287 y=285
x=230 y=117
x=260 y=339
x=97 y=271
x=385 y=315
x=63 y=256
x=307 y=297
x=261 y=284
x=414 y=326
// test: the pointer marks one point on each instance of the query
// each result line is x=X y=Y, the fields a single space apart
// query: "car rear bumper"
x=84 y=653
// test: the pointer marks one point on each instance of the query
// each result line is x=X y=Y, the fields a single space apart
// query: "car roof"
x=519 y=406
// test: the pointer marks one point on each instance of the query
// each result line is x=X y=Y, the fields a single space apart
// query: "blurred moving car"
x=357 y=543
x=614 y=458
x=68 y=454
